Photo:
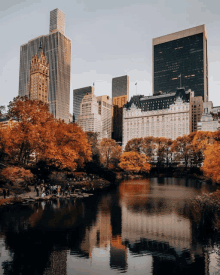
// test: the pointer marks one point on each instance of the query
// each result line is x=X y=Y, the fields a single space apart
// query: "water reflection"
x=143 y=227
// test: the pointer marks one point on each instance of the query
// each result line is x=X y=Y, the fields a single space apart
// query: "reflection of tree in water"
x=37 y=249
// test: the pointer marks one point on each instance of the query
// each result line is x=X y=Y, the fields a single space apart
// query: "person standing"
x=37 y=190
x=4 y=193
x=8 y=193
x=69 y=189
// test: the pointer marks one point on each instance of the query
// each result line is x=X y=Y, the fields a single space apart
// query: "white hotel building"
x=164 y=115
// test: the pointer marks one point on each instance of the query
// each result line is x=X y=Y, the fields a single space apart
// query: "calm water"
x=143 y=227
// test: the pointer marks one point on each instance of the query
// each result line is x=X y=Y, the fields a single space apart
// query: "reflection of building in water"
x=98 y=235
x=168 y=228
x=105 y=233
x=118 y=254
x=57 y=264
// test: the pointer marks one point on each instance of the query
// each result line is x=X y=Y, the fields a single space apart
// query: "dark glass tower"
x=78 y=95
x=182 y=53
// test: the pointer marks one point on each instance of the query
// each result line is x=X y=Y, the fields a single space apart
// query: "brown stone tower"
x=39 y=78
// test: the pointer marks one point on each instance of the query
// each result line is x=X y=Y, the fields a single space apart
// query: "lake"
x=141 y=227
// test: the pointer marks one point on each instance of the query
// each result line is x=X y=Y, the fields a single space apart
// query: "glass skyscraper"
x=78 y=95
x=181 y=56
x=57 y=48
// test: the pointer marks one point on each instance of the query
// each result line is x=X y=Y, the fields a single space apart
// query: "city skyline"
x=94 y=29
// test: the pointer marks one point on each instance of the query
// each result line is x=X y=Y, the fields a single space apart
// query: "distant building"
x=6 y=123
x=197 y=110
x=167 y=115
x=39 y=78
x=89 y=119
x=120 y=96
x=210 y=120
x=182 y=53
x=78 y=95
x=57 y=48
x=105 y=110
x=71 y=118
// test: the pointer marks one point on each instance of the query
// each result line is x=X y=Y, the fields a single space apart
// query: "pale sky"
x=109 y=39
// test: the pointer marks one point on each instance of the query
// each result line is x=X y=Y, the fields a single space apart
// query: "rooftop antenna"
x=136 y=87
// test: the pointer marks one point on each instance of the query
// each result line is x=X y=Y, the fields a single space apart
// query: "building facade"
x=57 y=49
x=120 y=96
x=182 y=53
x=169 y=115
x=210 y=119
x=105 y=110
x=39 y=78
x=78 y=95
x=90 y=119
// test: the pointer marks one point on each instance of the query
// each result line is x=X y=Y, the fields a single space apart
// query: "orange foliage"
x=134 y=145
x=183 y=149
x=17 y=174
x=211 y=165
x=110 y=152
x=134 y=162
x=37 y=135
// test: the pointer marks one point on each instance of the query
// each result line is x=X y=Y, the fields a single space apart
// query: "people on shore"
x=37 y=190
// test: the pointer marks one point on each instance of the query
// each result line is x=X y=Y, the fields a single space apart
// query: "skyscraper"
x=181 y=56
x=105 y=110
x=78 y=95
x=39 y=78
x=120 y=96
x=57 y=48
x=89 y=119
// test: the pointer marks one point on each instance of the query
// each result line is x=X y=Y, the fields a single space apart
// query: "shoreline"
x=84 y=189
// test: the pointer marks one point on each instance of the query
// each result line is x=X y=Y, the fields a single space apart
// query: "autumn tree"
x=148 y=147
x=3 y=142
x=31 y=119
x=69 y=147
x=93 y=141
x=211 y=165
x=17 y=175
x=183 y=149
x=38 y=136
x=110 y=152
x=134 y=145
x=163 y=150
x=134 y=162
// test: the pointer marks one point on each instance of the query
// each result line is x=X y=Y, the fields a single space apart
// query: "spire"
x=40 y=49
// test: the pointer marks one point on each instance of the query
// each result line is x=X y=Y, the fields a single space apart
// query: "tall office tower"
x=39 y=78
x=90 y=119
x=120 y=96
x=105 y=110
x=57 y=49
x=78 y=95
x=182 y=53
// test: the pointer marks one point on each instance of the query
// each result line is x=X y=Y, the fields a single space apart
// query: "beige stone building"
x=89 y=119
x=39 y=78
x=170 y=115
x=210 y=119
x=105 y=110
x=96 y=115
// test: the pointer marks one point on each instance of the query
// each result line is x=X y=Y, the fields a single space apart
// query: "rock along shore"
x=81 y=190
